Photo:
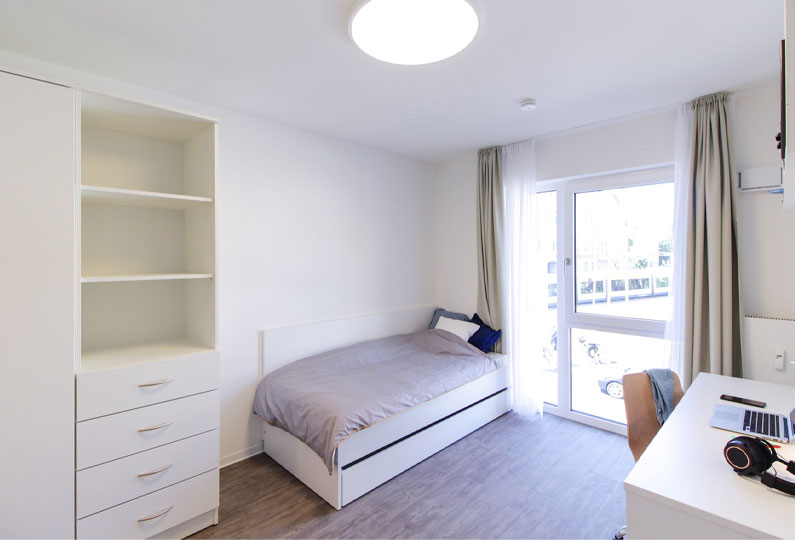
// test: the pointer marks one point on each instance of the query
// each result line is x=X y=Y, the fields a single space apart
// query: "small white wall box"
x=761 y=178
x=767 y=347
x=779 y=360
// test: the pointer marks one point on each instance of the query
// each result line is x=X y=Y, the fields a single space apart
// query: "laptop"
x=776 y=427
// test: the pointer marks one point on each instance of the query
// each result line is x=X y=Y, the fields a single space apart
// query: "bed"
x=371 y=456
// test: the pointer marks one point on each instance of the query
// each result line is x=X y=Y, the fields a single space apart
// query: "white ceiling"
x=292 y=61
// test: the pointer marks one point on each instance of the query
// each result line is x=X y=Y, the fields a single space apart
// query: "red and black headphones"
x=750 y=456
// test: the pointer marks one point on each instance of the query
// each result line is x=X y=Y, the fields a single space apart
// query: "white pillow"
x=463 y=329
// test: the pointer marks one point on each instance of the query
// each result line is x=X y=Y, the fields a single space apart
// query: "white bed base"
x=372 y=456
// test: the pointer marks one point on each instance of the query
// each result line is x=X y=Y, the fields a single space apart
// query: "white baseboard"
x=241 y=455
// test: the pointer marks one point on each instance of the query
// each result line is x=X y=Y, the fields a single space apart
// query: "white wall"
x=636 y=142
x=455 y=201
x=765 y=231
x=766 y=250
x=309 y=228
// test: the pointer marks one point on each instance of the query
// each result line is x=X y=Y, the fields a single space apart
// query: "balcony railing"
x=616 y=286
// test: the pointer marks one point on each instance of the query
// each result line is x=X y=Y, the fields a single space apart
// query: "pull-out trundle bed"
x=373 y=455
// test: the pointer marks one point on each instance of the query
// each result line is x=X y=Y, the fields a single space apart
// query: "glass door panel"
x=621 y=235
x=623 y=251
x=608 y=290
x=547 y=249
x=598 y=362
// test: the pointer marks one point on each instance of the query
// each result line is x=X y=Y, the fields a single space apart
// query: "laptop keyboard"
x=763 y=423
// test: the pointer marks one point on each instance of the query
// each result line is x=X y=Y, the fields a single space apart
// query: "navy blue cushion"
x=485 y=337
x=444 y=313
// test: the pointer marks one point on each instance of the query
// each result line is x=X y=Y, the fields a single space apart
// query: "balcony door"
x=605 y=245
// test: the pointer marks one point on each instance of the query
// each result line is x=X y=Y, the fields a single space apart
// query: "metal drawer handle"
x=161 y=469
x=155 y=383
x=155 y=516
x=152 y=428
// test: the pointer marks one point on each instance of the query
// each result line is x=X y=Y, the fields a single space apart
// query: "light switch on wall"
x=780 y=359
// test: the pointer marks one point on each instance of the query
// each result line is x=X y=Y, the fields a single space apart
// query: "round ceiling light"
x=413 y=32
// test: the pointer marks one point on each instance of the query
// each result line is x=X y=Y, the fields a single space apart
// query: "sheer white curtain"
x=523 y=294
x=677 y=325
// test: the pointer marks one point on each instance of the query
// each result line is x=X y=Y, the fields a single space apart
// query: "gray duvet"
x=324 y=399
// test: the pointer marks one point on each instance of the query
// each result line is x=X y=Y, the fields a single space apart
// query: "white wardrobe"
x=37 y=309
x=111 y=405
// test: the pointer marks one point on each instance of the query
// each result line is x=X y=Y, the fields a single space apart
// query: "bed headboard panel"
x=280 y=346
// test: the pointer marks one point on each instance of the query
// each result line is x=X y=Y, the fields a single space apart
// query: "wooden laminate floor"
x=517 y=477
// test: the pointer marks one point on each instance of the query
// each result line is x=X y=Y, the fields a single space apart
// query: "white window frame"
x=568 y=317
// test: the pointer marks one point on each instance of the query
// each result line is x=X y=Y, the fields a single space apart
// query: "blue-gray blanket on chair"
x=662 y=390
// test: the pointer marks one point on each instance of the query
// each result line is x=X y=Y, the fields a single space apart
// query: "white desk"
x=682 y=486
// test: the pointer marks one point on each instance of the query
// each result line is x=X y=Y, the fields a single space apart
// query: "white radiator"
x=769 y=350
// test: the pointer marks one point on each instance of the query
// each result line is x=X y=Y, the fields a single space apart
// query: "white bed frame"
x=372 y=456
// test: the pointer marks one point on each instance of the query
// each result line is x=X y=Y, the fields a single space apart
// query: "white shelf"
x=141 y=277
x=145 y=199
x=142 y=352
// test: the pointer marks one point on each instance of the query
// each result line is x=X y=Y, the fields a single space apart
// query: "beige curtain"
x=490 y=234
x=713 y=311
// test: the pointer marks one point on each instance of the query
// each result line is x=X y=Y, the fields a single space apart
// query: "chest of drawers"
x=147 y=447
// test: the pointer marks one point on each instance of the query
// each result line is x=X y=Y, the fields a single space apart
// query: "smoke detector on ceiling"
x=528 y=104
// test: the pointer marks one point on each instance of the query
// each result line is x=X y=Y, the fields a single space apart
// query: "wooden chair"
x=642 y=423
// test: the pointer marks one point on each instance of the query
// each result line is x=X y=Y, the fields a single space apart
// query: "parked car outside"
x=612 y=384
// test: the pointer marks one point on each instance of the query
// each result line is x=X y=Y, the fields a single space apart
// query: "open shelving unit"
x=147 y=205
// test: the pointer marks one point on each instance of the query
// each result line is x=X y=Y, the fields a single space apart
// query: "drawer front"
x=125 y=479
x=111 y=437
x=109 y=391
x=185 y=500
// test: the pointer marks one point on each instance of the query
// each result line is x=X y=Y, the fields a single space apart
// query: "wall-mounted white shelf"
x=142 y=352
x=145 y=199
x=141 y=277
